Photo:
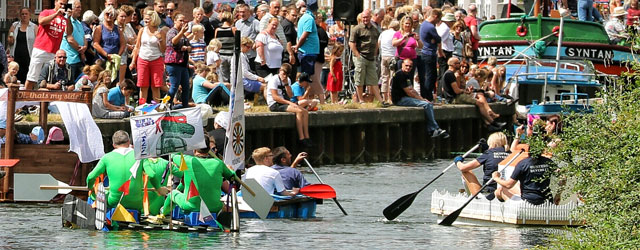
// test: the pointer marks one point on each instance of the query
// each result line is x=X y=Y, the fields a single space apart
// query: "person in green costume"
x=117 y=164
x=207 y=174
x=154 y=168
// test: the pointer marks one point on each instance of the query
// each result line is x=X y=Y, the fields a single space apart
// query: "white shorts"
x=38 y=59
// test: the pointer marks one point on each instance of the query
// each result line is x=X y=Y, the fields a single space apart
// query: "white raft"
x=481 y=210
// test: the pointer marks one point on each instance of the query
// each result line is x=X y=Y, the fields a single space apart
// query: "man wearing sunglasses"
x=56 y=75
x=169 y=12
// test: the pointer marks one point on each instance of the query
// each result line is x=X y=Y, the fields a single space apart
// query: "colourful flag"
x=205 y=216
x=121 y=214
x=183 y=163
x=125 y=187
x=193 y=191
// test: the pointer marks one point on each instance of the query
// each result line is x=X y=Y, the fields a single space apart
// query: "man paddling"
x=292 y=178
x=202 y=181
x=269 y=178
x=117 y=166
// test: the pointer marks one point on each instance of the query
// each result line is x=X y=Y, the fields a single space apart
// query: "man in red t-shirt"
x=472 y=22
x=52 y=25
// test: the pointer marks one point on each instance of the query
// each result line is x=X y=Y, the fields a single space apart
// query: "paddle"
x=397 y=207
x=319 y=191
x=447 y=221
x=317 y=176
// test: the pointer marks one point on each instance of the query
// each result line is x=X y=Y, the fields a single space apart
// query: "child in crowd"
x=119 y=95
x=213 y=58
x=198 y=46
x=102 y=108
x=11 y=76
x=204 y=91
x=300 y=91
x=334 y=81
x=89 y=77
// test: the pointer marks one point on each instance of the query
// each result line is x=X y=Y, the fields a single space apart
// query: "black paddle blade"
x=397 y=207
x=77 y=213
x=447 y=221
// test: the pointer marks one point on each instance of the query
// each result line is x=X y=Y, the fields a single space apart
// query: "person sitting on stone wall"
x=403 y=94
x=454 y=91
x=56 y=74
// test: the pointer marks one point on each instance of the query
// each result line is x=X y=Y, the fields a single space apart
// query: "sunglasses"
x=63 y=57
x=169 y=10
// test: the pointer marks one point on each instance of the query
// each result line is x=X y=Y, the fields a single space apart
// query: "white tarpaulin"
x=235 y=147
x=167 y=132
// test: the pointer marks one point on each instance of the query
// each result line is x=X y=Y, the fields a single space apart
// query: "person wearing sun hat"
x=37 y=135
x=615 y=26
x=444 y=30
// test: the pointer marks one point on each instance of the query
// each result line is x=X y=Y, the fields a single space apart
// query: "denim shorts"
x=307 y=62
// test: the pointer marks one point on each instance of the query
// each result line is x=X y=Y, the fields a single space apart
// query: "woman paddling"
x=498 y=151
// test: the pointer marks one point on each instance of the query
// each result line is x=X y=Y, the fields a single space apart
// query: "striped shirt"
x=197 y=50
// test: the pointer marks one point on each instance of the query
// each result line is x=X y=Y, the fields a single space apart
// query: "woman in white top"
x=22 y=34
x=125 y=13
x=277 y=87
x=252 y=83
x=387 y=52
x=147 y=55
x=269 y=50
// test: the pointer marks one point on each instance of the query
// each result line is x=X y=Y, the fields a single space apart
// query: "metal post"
x=559 y=47
x=235 y=224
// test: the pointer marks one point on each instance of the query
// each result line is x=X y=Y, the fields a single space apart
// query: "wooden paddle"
x=397 y=207
x=319 y=191
x=447 y=221
x=317 y=176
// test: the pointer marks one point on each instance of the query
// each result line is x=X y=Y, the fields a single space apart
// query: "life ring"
x=521 y=31
x=556 y=30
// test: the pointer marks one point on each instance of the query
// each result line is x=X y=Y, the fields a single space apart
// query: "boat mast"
x=559 y=50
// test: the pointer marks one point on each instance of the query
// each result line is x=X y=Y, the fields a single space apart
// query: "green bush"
x=602 y=153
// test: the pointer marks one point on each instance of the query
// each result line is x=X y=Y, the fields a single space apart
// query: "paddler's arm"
x=100 y=168
x=505 y=183
x=468 y=166
x=153 y=177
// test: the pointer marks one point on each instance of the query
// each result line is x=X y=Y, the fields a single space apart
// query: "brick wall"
x=14 y=6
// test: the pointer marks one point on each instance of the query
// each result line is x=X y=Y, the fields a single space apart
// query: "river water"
x=363 y=191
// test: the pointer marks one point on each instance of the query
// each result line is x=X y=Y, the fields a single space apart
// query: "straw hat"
x=618 y=11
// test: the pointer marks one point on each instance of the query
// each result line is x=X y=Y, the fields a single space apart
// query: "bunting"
x=205 y=216
x=125 y=187
x=193 y=191
x=121 y=214
x=134 y=169
x=183 y=163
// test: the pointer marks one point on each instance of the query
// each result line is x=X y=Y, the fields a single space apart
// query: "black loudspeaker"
x=347 y=10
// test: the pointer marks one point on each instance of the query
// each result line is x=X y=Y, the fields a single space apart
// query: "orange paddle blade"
x=319 y=191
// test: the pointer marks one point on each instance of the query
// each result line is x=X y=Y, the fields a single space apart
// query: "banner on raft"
x=167 y=132
x=235 y=147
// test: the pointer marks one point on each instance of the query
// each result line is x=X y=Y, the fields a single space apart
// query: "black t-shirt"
x=490 y=159
x=289 y=31
x=400 y=81
x=324 y=41
x=447 y=79
x=534 y=180
x=208 y=30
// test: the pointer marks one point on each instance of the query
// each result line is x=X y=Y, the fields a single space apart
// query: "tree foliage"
x=602 y=155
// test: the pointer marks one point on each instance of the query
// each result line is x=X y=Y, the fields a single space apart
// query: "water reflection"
x=363 y=191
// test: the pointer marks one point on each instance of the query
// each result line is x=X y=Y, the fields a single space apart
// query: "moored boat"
x=545 y=87
x=515 y=37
